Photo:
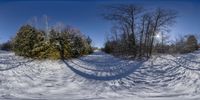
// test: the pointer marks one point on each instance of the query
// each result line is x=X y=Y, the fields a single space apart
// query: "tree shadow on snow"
x=12 y=64
x=108 y=74
x=185 y=62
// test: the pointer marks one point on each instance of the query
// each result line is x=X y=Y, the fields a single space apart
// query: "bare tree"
x=59 y=26
x=126 y=17
x=46 y=25
x=162 y=19
x=33 y=21
x=139 y=26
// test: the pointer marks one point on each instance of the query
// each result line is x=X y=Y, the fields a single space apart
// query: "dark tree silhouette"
x=137 y=27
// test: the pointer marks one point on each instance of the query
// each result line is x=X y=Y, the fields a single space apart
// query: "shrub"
x=109 y=47
x=7 y=46
x=191 y=44
x=30 y=42
x=26 y=40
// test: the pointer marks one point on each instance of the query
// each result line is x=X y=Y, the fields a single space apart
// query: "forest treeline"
x=136 y=32
x=57 y=43
x=139 y=32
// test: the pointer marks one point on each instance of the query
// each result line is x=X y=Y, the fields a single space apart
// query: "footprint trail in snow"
x=100 y=76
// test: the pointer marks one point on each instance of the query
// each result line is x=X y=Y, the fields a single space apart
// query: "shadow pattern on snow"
x=185 y=63
x=8 y=61
x=14 y=65
x=111 y=75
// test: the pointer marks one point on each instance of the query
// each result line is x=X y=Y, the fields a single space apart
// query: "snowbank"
x=100 y=76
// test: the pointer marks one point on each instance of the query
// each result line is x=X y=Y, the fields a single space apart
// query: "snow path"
x=100 y=76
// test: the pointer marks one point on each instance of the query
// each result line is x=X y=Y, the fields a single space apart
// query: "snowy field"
x=100 y=76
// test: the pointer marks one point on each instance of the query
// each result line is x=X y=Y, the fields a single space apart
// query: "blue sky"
x=86 y=15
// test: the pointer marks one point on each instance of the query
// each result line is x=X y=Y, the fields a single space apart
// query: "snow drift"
x=100 y=76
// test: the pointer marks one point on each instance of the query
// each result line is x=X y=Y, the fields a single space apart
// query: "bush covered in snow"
x=56 y=44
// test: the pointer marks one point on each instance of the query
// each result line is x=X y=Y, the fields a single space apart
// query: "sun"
x=158 y=36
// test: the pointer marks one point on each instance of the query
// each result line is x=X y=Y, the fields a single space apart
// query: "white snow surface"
x=100 y=76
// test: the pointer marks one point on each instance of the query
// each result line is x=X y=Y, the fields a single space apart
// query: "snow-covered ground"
x=100 y=76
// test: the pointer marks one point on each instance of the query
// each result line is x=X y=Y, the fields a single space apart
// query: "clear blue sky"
x=85 y=15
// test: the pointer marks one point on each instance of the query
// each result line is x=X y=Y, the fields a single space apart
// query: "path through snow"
x=100 y=76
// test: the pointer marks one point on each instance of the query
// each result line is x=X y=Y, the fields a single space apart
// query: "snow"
x=100 y=76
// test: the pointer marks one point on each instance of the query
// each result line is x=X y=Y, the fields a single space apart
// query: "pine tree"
x=63 y=44
x=54 y=45
x=25 y=40
x=191 y=44
x=89 y=43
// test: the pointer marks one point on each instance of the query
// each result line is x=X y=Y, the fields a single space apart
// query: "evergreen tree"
x=62 y=44
x=191 y=44
x=89 y=43
x=26 y=39
x=6 y=46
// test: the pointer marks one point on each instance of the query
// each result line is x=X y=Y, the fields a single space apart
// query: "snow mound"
x=100 y=76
